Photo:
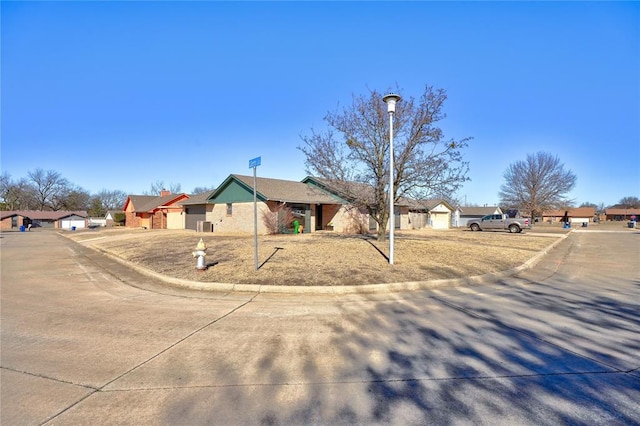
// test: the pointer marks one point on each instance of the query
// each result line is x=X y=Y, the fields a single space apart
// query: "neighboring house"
x=233 y=209
x=621 y=214
x=155 y=212
x=577 y=215
x=440 y=213
x=418 y=214
x=195 y=210
x=472 y=213
x=60 y=219
x=110 y=217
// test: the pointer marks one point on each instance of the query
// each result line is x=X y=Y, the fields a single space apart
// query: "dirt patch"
x=321 y=259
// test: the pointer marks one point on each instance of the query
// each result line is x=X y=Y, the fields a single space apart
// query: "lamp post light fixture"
x=391 y=100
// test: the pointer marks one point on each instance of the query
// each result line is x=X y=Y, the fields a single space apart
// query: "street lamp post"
x=391 y=100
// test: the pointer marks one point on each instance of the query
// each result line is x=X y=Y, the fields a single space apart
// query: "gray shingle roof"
x=197 y=199
x=43 y=215
x=477 y=211
x=287 y=190
x=148 y=203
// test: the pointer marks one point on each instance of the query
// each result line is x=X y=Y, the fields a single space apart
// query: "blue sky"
x=118 y=95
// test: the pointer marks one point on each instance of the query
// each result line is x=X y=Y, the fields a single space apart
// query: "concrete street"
x=86 y=340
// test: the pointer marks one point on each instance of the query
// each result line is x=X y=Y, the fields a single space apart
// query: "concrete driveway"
x=86 y=340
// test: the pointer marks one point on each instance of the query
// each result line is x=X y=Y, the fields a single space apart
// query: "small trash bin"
x=632 y=224
x=22 y=228
x=584 y=224
x=73 y=228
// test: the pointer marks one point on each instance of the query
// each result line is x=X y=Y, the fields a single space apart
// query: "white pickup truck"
x=498 y=222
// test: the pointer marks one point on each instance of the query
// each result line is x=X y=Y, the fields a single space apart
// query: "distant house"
x=155 y=212
x=472 y=213
x=621 y=214
x=61 y=219
x=577 y=215
x=110 y=217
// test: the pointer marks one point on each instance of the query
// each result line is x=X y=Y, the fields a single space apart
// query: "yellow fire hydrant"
x=200 y=254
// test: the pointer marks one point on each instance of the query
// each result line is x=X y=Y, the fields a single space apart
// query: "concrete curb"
x=350 y=289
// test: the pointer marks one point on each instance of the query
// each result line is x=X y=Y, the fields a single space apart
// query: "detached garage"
x=440 y=215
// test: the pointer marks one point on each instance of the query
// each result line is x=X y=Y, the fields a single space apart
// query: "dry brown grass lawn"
x=323 y=259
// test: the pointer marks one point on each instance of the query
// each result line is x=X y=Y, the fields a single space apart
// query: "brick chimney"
x=165 y=193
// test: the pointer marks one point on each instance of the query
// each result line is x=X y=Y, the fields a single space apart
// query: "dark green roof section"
x=234 y=190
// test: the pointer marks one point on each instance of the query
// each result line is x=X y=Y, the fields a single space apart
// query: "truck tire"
x=475 y=227
x=514 y=229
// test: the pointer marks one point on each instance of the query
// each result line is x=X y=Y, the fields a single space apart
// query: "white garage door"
x=440 y=220
x=67 y=224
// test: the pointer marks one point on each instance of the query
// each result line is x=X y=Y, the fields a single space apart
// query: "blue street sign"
x=255 y=162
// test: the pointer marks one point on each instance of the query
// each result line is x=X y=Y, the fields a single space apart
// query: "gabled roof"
x=339 y=189
x=112 y=213
x=149 y=203
x=268 y=189
x=43 y=215
x=423 y=204
x=479 y=211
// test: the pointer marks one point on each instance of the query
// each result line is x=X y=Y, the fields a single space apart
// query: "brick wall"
x=240 y=220
x=131 y=220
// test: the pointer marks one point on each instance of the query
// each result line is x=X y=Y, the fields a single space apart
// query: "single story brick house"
x=314 y=203
x=155 y=212
x=621 y=214
x=575 y=215
x=232 y=202
x=60 y=219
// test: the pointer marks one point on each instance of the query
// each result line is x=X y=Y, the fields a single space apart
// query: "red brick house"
x=577 y=215
x=621 y=214
x=155 y=212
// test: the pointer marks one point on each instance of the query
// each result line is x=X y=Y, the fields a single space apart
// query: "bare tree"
x=76 y=199
x=111 y=199
x=201 y=190
x=49 y=188
x=537 y=184
x=353 y=154
x=16 y=195
x=629 y=203
x=158 y=186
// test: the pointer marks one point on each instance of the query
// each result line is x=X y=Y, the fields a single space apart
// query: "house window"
x=229 y=209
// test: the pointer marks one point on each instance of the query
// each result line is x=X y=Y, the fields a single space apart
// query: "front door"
x=318 y=217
